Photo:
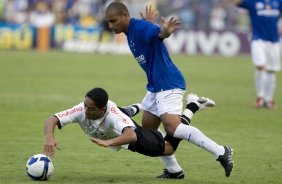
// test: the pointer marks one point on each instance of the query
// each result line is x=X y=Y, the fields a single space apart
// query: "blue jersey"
x=264 y=15
x=152 y=55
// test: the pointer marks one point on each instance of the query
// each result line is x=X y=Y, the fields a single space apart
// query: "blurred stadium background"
x=208 y=26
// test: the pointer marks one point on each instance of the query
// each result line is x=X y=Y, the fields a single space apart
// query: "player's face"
x=117 y=22
x=92 y=111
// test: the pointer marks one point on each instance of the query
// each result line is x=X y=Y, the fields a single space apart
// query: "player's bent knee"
x=169 y=130
x=169 y=150
x=172 y=142
x=260 y=67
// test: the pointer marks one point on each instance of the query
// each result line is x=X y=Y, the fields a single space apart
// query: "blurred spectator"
x=193 y=13
x=87 y=20
x=242 y=23
x=217 y=17
x=72 y=17
x=136 y=6
x=59 y=7
x=42 y=15
x=16 y=11
x=187 y=18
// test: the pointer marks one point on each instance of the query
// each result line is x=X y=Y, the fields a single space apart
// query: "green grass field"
x=35 y=85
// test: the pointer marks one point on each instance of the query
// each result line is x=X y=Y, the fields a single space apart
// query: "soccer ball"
x=39 y=167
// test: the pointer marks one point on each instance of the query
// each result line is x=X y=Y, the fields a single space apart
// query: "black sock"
x=126 y=111
x=185 y=120
x=192 y=107
x=130 y=111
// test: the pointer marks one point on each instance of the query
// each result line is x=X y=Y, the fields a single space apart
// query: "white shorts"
x=267 y=54
x=169 y=101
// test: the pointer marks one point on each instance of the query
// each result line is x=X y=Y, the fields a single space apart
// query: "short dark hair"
x=118 y=6
x=99 y=96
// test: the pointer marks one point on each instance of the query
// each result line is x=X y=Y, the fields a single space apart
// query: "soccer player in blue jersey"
x=166 y=85
x=265 y=47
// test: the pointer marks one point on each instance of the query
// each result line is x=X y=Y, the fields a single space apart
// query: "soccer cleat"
x=132 y=110
x=259 y=102
x=202 y=102
x=226 y=160
x=167 y=175
x=270 y=105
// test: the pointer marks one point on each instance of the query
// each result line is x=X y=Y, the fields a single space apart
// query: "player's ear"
x=103 y=109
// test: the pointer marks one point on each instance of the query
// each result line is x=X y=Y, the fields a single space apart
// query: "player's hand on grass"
x=100 y=142
x=49 y=146
x=150 y=14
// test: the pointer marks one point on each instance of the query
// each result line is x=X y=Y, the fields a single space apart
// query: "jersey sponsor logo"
x=140 y=59
x=269 y=12
x=72 y=111
x=267 y=9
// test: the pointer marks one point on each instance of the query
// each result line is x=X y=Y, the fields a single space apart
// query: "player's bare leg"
x=173 y=169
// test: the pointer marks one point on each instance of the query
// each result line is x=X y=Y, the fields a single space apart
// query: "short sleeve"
x=71 y=115
x=148 y=31
x=118 y=120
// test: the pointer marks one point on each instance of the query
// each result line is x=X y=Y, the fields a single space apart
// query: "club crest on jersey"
x=89 y=128
x=131 y=43
x=140 y=59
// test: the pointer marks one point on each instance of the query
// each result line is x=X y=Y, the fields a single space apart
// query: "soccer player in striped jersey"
x=265 y=46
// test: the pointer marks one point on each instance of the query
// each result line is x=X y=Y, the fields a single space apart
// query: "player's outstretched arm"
x=50 y=143
x=150 y=14
x=168 y=27
x=128 y=136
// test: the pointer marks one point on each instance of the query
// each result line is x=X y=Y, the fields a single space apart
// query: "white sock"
x=270 y=85
x=188 y=113
x=195 y=136
x=170 y=161
x=259 y=82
